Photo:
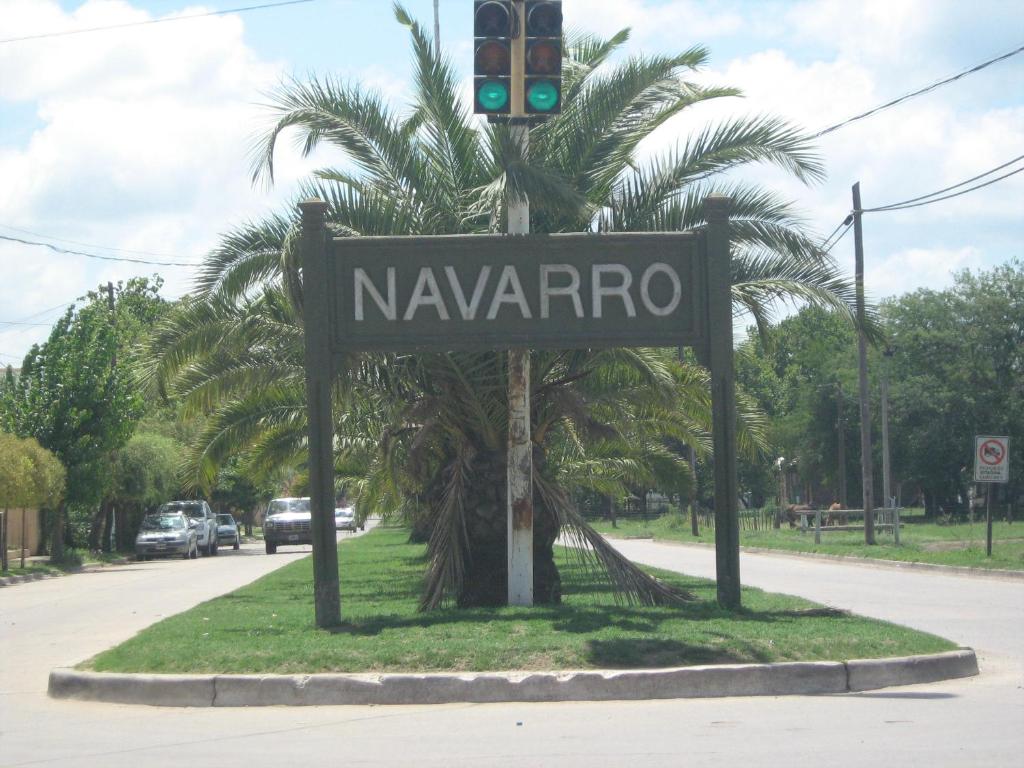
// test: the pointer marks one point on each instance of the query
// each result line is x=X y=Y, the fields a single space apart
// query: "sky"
x=134 y=143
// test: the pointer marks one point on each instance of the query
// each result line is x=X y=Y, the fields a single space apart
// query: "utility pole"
x=437 y=28
x=694 y=527
x=109 y=514
x=867 y=482
x=886 y=469
x=520 y=443
x=841 y=438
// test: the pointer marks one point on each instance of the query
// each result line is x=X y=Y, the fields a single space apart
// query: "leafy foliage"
x=77 y=393
x=30 y=476
x=955 y=368
x=423 y=437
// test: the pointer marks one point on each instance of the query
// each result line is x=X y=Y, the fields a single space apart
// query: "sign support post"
x=723 y=401
x=991 y=465
x=988 y=520
x=319 y=383
x=519 y=472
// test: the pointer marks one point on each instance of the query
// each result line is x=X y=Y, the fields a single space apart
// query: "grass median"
x=74 y=559
x=267 y=627
x=960 y=544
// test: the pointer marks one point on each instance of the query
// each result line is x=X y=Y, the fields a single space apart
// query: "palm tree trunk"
x=485 y=580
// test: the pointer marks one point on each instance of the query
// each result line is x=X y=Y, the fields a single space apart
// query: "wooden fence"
x=750 y=519
x=20 y=532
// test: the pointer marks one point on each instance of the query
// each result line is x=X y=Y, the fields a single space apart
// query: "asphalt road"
x=974 y=722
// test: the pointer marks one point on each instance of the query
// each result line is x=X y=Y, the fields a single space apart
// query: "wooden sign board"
x=496 y=292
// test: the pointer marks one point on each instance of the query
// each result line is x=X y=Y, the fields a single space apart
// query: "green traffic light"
x=493 y=96
x=542 y=96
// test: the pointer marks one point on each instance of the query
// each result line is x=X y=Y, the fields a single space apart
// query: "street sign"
x=991 y=459
x=496 y=292
x=516 y=291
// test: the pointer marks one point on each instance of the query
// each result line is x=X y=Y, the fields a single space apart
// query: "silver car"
x=345 y=518
x=166 y=535
x=199 y=512
x=227 y=530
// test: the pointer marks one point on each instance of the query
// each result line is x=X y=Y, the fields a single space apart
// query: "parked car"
x=166 y=534
x=288 y=521
x=227 y=531
x=201 y=514
x=345 y=518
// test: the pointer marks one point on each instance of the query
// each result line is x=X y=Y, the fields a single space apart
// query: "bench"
x=886 y=519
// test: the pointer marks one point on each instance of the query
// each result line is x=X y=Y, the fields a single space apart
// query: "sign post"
x=991 y=465
x=499 y=292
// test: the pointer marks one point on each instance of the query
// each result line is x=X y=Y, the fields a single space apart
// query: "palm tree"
x=423 y=436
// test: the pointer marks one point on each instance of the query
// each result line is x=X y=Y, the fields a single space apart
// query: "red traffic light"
x=544 y=19
x=493 y=57
x=493 y=19
x=543 y=57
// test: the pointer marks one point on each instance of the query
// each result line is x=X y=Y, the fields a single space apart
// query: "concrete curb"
x=785 y=679
x=866 y=562
x=871 y=674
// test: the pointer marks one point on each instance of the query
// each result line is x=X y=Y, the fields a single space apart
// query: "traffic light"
x=543 y=87
x=492 y=61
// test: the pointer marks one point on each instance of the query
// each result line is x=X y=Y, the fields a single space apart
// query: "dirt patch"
x=957 y=546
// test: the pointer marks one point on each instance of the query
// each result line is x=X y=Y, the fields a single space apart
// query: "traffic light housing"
x=492 y=59
x=542 y=91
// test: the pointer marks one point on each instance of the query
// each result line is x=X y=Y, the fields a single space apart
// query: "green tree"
x=423 y=436
x=803 y=374
x=74 y=399
x=30 y=476
x=145 y=473
x=957 y=371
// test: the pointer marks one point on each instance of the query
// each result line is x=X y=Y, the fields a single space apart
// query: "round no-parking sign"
x=991 y=459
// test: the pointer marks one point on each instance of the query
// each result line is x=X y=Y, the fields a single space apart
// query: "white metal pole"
x=520 y=443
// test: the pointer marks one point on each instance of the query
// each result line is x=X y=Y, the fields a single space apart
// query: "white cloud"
x=141 y=143
x=684 y=19
x=140 y=136
x=915 y=268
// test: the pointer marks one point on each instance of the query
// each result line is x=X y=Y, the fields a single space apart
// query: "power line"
x=962 y=183
x=919 y=92
x=87 y=245
x=97 y=256
x=32 y=325
x=45 y=311
x=155 y=21
x=827 y=248
x=917 y=202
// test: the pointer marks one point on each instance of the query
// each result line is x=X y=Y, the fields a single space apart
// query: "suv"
x=198 y=512
x=288 y=521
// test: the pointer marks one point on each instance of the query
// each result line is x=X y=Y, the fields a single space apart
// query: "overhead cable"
x=155 y=21
x=938 y=196
x=98 y=256
x=919 y=92
x=87 y=245
x=46 y=311
x=827 y=247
